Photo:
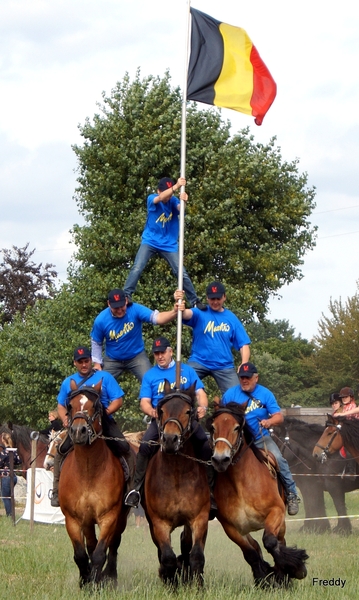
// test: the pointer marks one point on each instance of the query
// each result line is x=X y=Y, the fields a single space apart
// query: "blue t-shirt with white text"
x=110 y=389
x=153 y=381
x=162 y=226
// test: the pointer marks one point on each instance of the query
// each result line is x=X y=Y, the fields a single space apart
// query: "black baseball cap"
x=215 y=289
x=165 y=184
x=117 y=298
x=247 y=370
x=82 y=352
x=160 y=344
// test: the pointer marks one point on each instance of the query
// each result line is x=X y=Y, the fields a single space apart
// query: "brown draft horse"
x=248 y=499
x=339 y=431
x=20 y=436
x=176 y=490
x=91 y=490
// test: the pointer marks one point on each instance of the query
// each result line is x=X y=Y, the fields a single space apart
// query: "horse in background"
x=55 y=440
x=296 y=440
x=91 y=490
x=248 y=499
x=20 y=436
x=176 y=491
x=339 y=431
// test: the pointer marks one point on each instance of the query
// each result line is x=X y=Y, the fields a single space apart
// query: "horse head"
x=55 y=439
x=84 y=411
x=175 y=414
x=226 y=433
x=330 y=441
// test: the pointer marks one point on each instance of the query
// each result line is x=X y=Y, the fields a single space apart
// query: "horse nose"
x=220 y=463
x=78 y=433
x=170 y=442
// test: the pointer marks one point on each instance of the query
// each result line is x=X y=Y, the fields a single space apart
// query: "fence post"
x=11 y=464
x=34 y=437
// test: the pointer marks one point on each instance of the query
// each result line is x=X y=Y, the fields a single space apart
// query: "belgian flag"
x=226 y=70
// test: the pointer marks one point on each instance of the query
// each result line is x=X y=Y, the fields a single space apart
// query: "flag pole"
x=182 y=204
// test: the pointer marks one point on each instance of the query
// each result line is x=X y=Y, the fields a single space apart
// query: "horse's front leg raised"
x=81 y=557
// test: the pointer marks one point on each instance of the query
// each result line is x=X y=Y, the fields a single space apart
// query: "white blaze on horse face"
x=83 y=401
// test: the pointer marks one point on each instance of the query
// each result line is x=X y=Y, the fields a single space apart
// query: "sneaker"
x=55 y=500
x=198 y=304
x=133 y=498
x=129 y=300
x=292 y=504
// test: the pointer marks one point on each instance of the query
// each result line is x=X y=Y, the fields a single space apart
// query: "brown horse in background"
x=176 y=490
x=339 y=431
x=20 y=436
x=248 y=499
x=91 y=490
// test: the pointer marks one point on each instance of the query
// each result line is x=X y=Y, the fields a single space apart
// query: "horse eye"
x=237 y=428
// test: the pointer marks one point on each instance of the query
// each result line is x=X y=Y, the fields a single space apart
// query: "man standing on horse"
x=262 y=412
x=215 y=332
x=111 y=398
x=151 y=392
x=120 y=326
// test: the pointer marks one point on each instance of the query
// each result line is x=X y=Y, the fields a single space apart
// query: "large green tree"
x=247 y=220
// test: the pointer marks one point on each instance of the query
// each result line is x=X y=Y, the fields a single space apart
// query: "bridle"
x=184 y=432
x=84 y=414
x=337 y=429
x=234 y=448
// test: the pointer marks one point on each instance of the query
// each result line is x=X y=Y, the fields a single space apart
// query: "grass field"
x=39 y=566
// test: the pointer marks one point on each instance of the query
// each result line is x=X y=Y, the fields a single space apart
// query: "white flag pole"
x=182 y=205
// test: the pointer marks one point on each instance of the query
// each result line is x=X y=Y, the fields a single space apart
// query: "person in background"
x=349 y=410
x=55 y=423
x=335 y=402
x=6 y=477
x=160 y=237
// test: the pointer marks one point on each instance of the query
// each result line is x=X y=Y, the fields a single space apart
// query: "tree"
x=22 y=282
x=283 y=362
x=247 y=216
x=336 y=357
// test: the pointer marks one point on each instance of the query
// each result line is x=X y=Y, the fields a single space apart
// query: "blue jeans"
x=284 y=469
x=224 y=378
x=138 y=365
x=144 y=254
x=6 y=491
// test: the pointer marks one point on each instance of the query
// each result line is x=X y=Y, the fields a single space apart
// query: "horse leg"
x=183 y=559
x=80 y=555
x=260 y=568
x=344 y=526
x=196 y=558
x=289 y=562
x=161 y=535
x=314 y=506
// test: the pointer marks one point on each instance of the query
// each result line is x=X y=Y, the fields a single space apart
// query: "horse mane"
x=349 y=431
x=20 y=435
x=297 y=424
x=238 y=411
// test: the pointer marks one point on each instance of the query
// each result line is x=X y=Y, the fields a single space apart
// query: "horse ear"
x=330 y=418
x=73 y=385
x=98 y=386
x=167 y=388
x=244 y=406
x=216 y=402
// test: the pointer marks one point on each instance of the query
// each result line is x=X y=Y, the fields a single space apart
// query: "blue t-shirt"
x=262 y=405
x=214 y=335
x=153 y=381
x=162 y=227
x=110 y=389
x=123 y=336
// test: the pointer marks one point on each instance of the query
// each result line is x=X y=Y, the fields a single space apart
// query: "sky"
x=56 y=59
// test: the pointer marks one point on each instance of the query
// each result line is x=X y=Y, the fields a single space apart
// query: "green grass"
x=39 y=565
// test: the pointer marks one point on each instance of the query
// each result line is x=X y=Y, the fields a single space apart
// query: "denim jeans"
x=144 y=254
x=284 y=469
x=138 y=365
x=224 y=378
x=6 y=491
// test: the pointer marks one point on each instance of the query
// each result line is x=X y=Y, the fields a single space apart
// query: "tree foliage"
x=247 y=216
x=22 y=282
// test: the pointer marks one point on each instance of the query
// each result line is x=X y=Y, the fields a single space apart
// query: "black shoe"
x=55 y=500
x=129 y=300
x=292 y=504
x=133 y=498
x=198 y=304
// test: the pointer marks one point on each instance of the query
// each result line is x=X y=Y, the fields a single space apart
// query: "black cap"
x=334 y=398
x=160 y=344
x=117 y=298
x=215 y=289
x=82 y=352
x=165 y=184
x=247 y=370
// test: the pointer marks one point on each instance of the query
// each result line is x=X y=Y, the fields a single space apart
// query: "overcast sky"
x=56 y=58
